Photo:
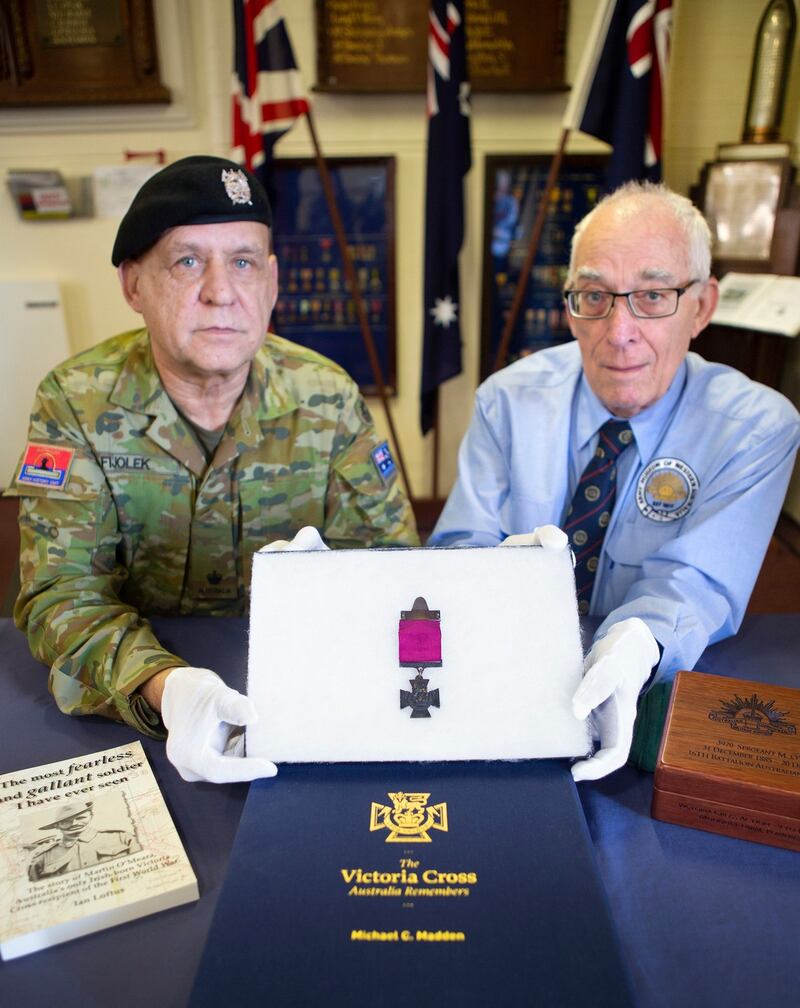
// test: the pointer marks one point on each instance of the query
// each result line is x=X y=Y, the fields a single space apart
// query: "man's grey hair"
x=684 y=212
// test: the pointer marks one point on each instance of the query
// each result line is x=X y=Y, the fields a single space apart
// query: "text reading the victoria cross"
x=410 y=879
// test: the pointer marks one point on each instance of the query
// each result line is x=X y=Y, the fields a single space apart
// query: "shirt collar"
x=647 y=426
x=267 y=394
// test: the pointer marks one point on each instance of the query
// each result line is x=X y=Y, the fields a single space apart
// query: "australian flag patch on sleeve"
x=383 y=461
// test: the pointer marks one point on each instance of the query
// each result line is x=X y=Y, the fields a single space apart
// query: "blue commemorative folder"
x=413 y=884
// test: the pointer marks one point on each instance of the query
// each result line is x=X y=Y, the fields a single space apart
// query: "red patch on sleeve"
x=45 y=465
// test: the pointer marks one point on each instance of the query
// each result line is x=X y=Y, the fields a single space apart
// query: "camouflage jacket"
x=142 y=524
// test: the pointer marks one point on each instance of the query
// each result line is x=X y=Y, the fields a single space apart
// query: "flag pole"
x=350 y=274
x=436 y=445
x=572 y=117
x=533 y=247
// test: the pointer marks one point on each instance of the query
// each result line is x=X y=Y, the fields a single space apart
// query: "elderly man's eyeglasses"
x=657 y=302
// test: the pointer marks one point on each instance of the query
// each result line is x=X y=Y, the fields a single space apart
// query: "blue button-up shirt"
x=698 y=492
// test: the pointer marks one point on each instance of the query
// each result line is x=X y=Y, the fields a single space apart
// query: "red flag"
x=268 y=94
x=618 y=96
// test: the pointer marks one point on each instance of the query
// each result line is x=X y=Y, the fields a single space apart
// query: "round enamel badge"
x=666 y=489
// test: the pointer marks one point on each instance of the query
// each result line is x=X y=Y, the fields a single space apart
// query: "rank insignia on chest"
x=420 y=646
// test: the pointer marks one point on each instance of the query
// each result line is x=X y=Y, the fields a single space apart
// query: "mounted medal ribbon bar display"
x=314 y=307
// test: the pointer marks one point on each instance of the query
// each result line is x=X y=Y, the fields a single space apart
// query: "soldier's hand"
x=202 y=716
x=614 y=671
x=306 y=540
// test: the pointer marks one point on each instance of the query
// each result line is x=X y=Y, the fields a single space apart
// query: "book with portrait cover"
x=85 y=843
x=413 y=884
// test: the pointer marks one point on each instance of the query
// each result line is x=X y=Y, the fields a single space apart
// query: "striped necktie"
x=592 y=504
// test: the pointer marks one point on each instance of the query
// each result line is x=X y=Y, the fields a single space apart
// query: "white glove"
x=307 y=539
x=614 y=671
x=548 y=536
x=201 y=714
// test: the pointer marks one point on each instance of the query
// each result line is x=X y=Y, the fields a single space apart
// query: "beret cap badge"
x=236 y=186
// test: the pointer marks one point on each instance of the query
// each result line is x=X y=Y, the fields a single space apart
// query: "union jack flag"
x=268 y=94
x=449 y=159
x=618 y=96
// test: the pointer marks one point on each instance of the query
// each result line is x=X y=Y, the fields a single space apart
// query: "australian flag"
x=268 y=94
x=618 y=96
x=449 y=159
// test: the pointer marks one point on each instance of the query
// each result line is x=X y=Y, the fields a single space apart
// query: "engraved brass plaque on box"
x=382 y=45
x=730 y=759
x=78 y=52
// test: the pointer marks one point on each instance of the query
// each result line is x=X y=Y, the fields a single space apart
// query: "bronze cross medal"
x=420 y=645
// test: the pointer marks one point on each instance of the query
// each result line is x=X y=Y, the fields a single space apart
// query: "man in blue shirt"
x=699 y=485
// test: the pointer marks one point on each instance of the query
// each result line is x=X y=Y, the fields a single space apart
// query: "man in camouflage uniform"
x=160 y=460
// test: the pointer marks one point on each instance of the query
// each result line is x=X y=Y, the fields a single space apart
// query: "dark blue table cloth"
x=703 y=919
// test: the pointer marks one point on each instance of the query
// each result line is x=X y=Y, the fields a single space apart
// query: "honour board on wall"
x=382 y=45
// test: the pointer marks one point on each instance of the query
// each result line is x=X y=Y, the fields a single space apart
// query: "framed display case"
x=514 y=184
x=750 y=203
x=741 y=201
x=314 y=307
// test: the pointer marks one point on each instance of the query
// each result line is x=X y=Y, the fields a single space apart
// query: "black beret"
x=194 y=190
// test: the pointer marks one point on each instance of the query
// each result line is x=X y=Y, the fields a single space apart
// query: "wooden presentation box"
x=729 y=760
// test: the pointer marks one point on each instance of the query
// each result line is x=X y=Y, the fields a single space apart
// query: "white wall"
x=712 y=51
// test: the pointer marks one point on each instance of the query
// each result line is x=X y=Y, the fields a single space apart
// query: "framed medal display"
x=513 y=187
x=314 y=307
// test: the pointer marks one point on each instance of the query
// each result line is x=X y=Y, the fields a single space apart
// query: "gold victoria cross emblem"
x=409 y=818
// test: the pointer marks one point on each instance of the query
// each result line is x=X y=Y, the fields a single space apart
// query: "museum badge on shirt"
x=383 y=461
x=44 y=465
x=666 y=489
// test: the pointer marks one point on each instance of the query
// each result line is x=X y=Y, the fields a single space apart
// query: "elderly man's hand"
x=202 y=716
x=549 y=537
x=616 y=668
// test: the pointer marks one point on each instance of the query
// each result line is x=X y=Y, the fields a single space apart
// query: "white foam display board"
x=323 y=666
